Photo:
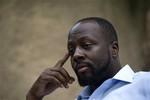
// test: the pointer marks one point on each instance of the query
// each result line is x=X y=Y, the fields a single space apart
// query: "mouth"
x=81 y=68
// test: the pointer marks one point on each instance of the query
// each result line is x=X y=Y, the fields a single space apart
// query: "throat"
x=97 y=84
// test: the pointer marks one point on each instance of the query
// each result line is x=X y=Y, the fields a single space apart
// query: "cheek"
x=96 y=54
x=100 y=56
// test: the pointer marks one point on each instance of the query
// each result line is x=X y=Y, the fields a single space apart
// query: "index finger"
x=61 y=62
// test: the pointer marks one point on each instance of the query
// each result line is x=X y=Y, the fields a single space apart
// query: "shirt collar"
x=125 y=74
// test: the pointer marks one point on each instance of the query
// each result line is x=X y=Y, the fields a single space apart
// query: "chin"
x=85 y=82
x=82 y=84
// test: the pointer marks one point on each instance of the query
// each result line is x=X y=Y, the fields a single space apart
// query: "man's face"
x=90 y=57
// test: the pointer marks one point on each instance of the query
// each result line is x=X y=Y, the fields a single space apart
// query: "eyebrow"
x=70 y=42
x=77 y=32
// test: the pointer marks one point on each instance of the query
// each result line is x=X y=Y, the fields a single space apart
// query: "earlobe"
x=115 y=49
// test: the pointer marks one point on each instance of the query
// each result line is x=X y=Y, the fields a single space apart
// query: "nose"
x=78 y=55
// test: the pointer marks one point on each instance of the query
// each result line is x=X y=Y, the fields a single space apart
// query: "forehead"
x=85 y=30
x=88 y=26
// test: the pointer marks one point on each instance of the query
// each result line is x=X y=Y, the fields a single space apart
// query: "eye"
x=87 y=45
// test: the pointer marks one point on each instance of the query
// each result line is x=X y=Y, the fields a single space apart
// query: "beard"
x=84 y=79
x=98 y=73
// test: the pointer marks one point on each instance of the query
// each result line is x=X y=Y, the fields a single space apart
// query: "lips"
x=81 y=68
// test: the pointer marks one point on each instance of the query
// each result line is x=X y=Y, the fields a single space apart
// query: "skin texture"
x=91 y=54
x=92 y=58
x=50 y=80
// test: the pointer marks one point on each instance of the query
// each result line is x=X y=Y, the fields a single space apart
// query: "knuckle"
x=46 y=70
x=58 y=74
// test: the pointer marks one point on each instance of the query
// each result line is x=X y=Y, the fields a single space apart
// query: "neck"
x=112 y=70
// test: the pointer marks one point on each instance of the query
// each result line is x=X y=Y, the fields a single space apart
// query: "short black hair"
x=105 y=27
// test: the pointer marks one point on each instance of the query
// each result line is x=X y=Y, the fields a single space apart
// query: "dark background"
x=33 y=36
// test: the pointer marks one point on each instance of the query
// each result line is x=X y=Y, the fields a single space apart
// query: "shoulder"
x=142 y=81
x=142 y=77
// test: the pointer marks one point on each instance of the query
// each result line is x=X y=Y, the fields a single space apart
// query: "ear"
x=115 y=49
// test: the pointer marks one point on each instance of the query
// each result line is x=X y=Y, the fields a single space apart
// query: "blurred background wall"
x=33 y=36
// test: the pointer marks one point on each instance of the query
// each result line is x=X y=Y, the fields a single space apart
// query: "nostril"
x=78 y=58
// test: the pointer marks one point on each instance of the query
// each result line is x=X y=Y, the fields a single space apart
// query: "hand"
x=50 y=80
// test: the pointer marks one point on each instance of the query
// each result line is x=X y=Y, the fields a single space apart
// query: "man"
x=94 y=51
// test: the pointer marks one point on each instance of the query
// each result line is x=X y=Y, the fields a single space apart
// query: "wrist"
x=30 y=96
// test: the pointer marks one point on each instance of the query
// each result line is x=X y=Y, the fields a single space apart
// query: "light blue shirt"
x=125 y=85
